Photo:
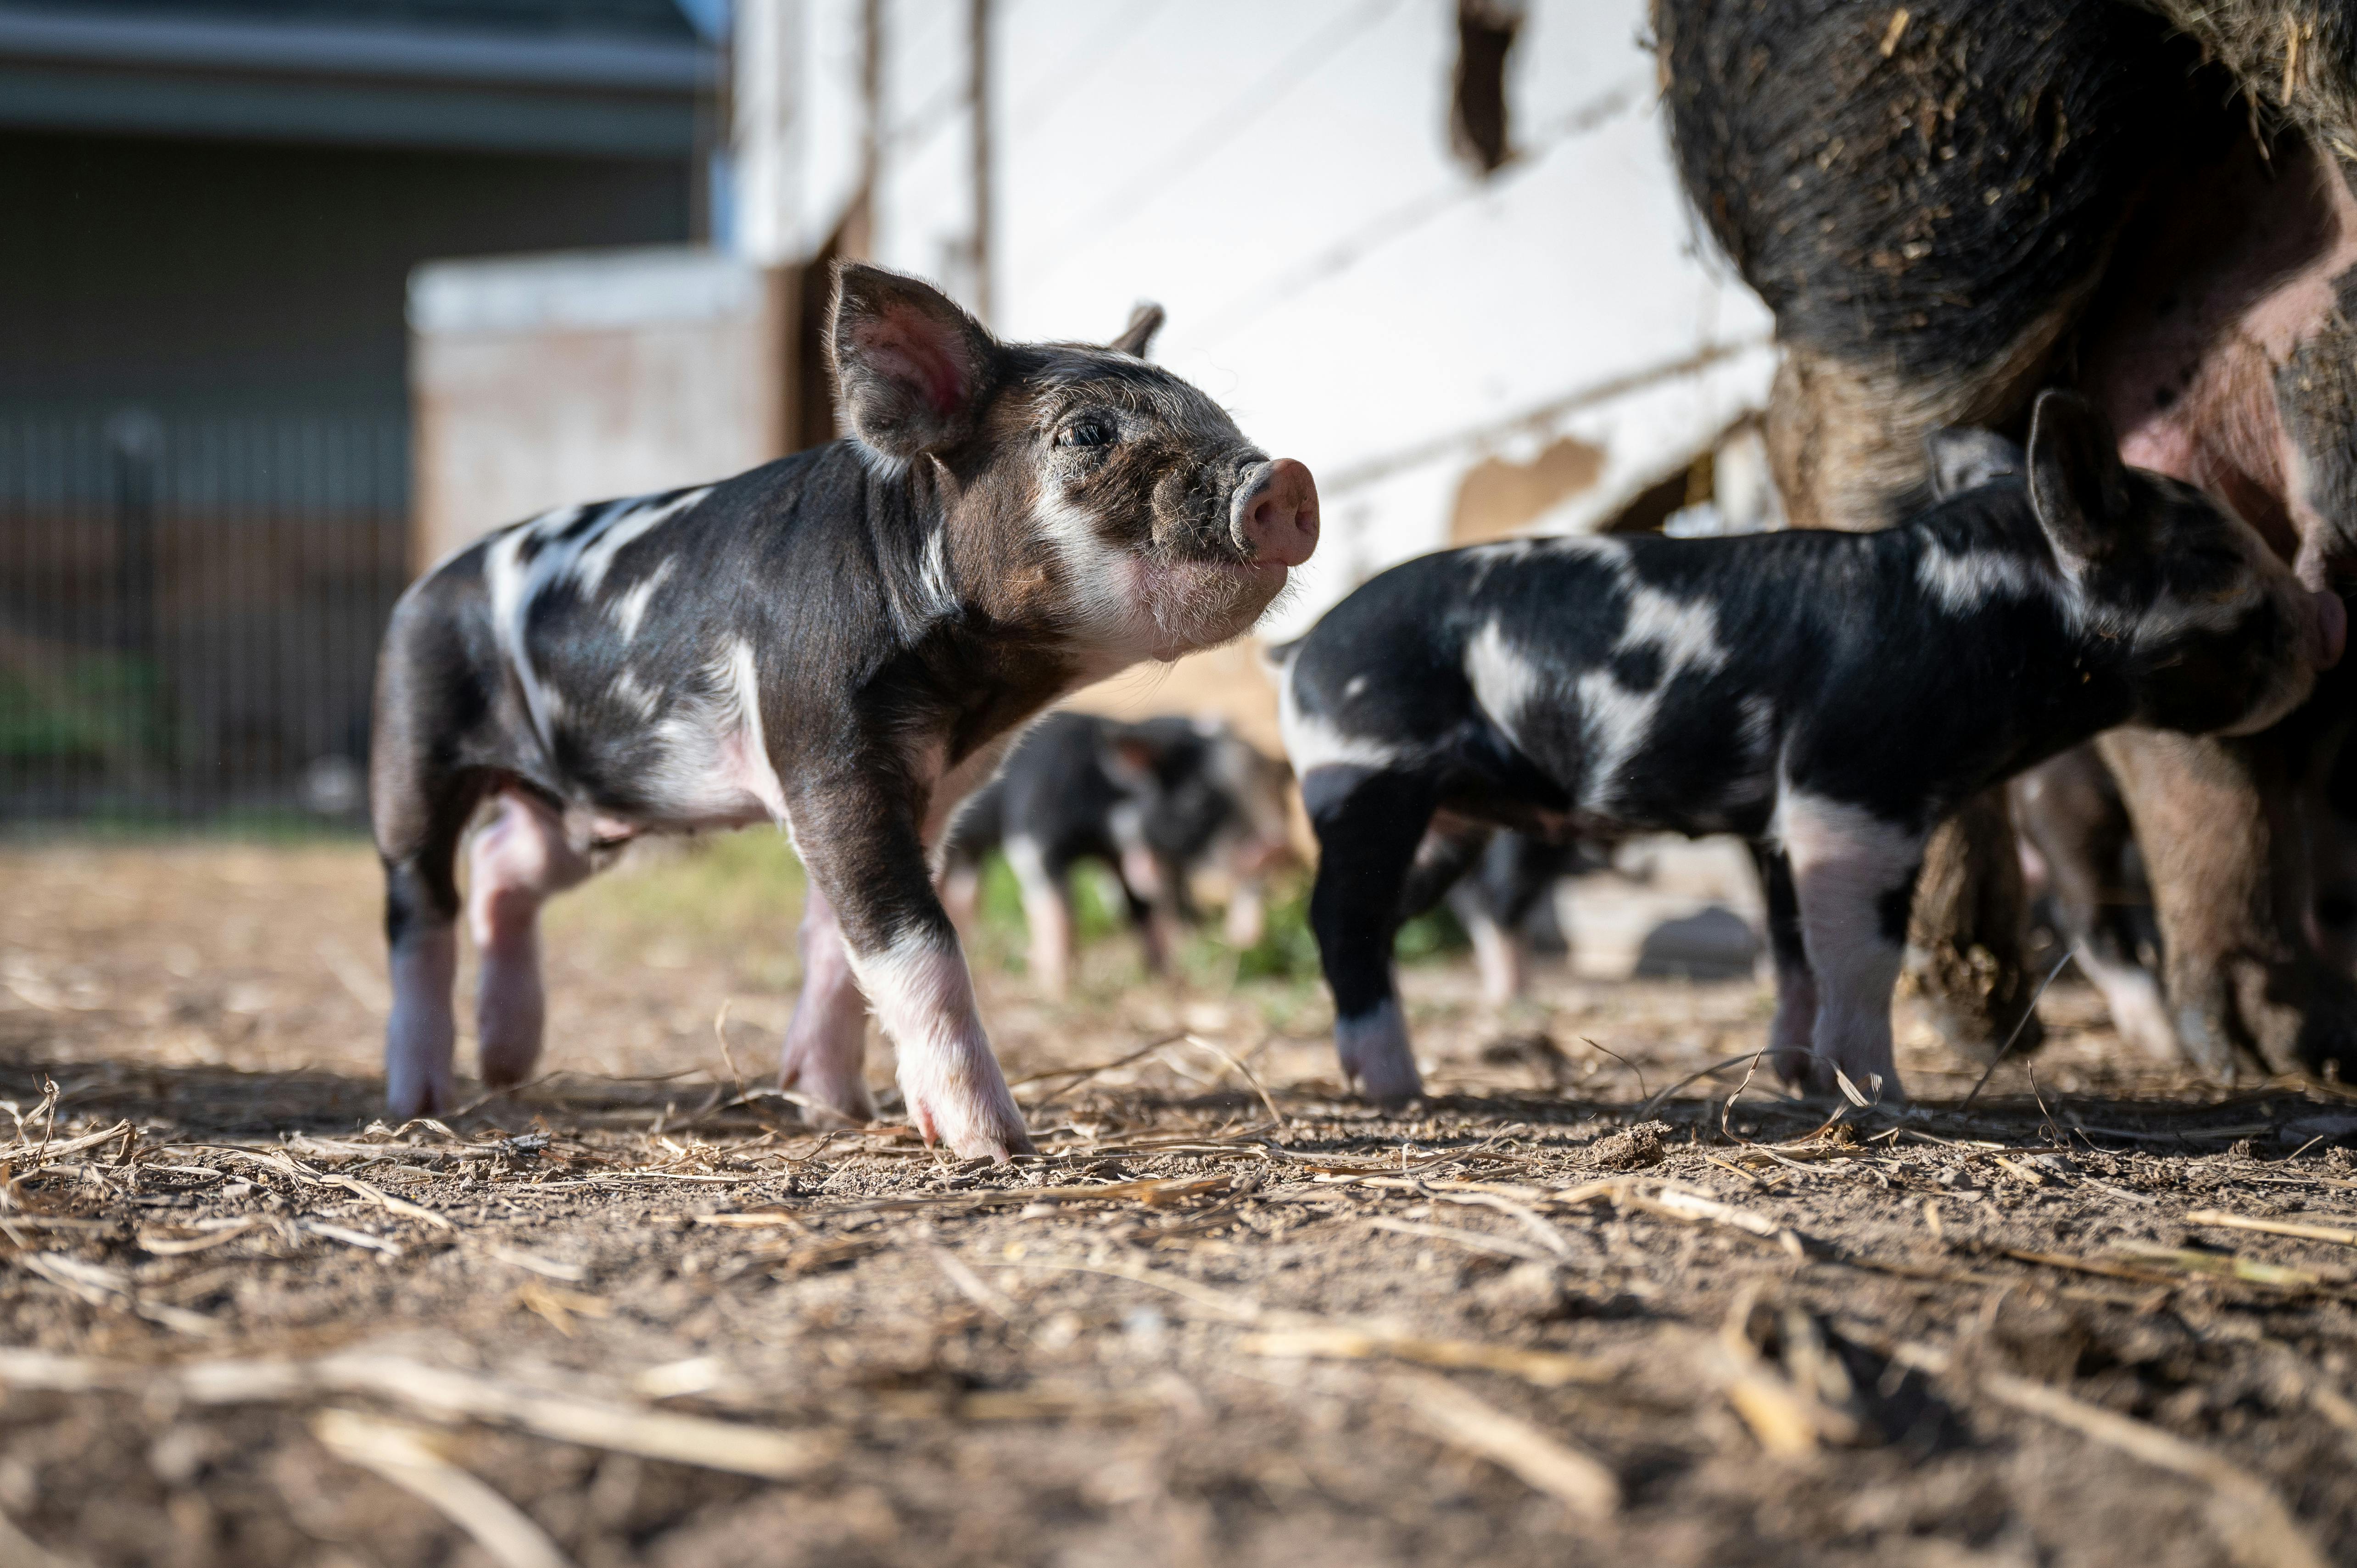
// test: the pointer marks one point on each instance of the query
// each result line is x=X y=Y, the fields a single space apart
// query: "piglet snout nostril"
x=1273 y=518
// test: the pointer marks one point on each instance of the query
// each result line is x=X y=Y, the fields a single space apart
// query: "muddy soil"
x=1580 y=1305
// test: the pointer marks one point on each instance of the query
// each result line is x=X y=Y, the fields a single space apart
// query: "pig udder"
x=2222 y=352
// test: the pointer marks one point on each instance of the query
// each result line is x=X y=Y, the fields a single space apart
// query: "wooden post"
x=978 y=101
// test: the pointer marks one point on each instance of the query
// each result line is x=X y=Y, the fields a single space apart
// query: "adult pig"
x=1951 y=205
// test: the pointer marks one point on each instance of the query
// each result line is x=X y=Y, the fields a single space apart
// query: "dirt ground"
x=1578 y=1306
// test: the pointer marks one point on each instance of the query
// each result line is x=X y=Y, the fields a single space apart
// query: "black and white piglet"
x=1155 y=800
x=843 y=643
x=1829 y=695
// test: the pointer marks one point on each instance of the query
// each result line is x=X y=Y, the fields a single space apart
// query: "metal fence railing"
x=189 y=611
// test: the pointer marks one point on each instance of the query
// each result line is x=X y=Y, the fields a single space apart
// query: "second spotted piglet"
x=1830 y=696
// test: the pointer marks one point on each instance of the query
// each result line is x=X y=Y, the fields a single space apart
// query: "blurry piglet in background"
x=1159 y=800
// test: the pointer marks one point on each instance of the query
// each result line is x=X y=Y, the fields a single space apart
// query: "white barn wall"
x=1280 y=177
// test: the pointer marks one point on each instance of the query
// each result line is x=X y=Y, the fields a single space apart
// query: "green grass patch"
x=737 y=897
x=1287 y=951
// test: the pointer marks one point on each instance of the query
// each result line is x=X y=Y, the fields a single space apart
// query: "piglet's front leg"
x=866 y=861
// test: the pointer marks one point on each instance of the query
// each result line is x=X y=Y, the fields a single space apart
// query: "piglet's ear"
x=1963 y=458
x=2078 y=485
x=1138 y=336
x=910 y=367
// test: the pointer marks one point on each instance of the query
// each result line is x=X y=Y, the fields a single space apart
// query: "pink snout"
x=1274 y=516
x=2331 y=628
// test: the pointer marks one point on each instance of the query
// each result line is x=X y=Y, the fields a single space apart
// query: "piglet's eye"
x=1086 y=433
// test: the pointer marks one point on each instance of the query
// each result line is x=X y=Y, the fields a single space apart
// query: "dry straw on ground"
x=1227 y=1316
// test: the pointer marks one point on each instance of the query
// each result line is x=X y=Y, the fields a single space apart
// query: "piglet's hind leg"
x=825 y=1054
x=515 y=865
x=421 y=1033
x=420 y=812
x=1047 y=914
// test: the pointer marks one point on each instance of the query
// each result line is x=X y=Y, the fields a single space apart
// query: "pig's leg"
x=1967 y=928
x=1247 y=916
x=1153 y=938
x=867 y=859
x=1047 y=914
x=2081 y=830
x=1149 y=888
x=1369 y=827
x=1792 y=1035
x=514 y=865
x=2131 y=992
x=1854 y=879
x=1527 y=870
x=1497 y=948
x=1846 y=444
x=825 y=1059
x=420 y=812
x=2219 y=822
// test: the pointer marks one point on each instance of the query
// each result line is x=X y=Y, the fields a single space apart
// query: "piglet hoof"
x=506 y=1068
x=1376 y=1055
x=1877 y=1085
x=978 y=1120
x=829 y=1094
x=410 y=1093
x=508 y=1027
x=1796 y=1068
x=2140 y=1014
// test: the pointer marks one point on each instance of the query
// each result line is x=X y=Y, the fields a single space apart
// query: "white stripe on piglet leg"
x=1375 y=1055
x=1846 y=864
x=2138 y=1010
x=1497 y=956
x=924 y=998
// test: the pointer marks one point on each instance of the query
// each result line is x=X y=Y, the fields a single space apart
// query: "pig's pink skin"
x=2241 y=274
x=1376 y=1057
x=516 y=863
x=826 y=1043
